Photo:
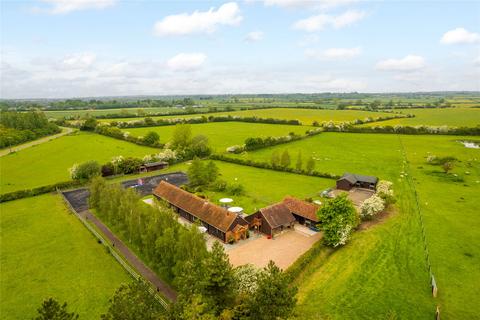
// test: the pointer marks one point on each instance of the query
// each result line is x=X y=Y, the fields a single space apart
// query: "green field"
x=280 y=184
x=388 y=260
x=102 y=112
x=305 y=116
x=49 y=162
x=47 y=252
x=452 y=117
x=224 y=134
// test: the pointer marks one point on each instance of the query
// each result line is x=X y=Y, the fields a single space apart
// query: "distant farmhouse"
x=350 y=180
x=218 y=221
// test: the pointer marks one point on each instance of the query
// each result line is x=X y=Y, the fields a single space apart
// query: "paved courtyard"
x=284 y=249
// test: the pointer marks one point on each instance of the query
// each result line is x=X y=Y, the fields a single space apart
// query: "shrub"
x=337 y=218
x=236 y=189
x=85 y=171
x=372 y=206
x=151 y=138
x=38 y=191
x=108 y=169
x=385 y=191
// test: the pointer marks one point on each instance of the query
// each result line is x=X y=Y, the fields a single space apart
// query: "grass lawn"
x=280 y=184
x=386 y=263
x=47 y=252
x=452 y=117
x=305 y=116
x=222 y=135
x=49 y=162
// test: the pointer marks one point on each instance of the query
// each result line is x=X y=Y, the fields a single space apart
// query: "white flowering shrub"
x=246 y=278
x=167 y=155
x=343 y=235
x=117 y=160
x=372 y=206
x=74 y=171
x=385 y=191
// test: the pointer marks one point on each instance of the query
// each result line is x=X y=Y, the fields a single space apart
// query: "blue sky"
x=79 y=48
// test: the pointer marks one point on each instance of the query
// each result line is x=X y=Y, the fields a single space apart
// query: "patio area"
x=284 y=249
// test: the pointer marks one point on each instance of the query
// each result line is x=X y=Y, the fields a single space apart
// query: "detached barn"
x=272 y=219
x=350 y=180
x=304 y=212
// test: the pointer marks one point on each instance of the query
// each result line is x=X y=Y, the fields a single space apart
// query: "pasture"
x=223 y=134
x=262 y=187
x=305 y=116
x=59 y=114
x=390 y=262
x=48 y=163
x=47 y=252
x=451 y=117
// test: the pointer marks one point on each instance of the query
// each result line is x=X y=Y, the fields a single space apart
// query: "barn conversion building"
x=283 y=215
x=217 y=221
x=350 y=180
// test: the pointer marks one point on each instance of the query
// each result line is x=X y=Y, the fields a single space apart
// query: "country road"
x=6 y=151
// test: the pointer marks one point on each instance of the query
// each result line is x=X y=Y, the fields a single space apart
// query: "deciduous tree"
x=52 y=310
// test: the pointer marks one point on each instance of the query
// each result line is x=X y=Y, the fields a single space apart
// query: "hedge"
x=268 y=166
x=462 y=131
x=39 y=190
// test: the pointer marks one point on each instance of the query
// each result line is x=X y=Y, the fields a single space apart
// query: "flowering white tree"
x=246 y=277
x=343 y=235
x=384 y=189
x=74 y=171
x=372 y=206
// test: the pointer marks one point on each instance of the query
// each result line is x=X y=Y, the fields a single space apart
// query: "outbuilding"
x=272 y=219
x=303 y=211
x=153 y=166
x=217 y=221
x=350 y=180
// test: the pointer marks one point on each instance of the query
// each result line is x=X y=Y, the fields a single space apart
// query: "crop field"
x=305 y=116
x=452 y=117
x=391 y=261
x=47 y=252
x=280 y=185
x=49 y=162
x=224 y=134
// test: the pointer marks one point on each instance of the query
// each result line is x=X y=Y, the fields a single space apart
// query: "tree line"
x=20 y=127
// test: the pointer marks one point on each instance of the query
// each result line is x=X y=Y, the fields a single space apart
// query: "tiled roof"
x=212 y=214
x=277 y=214
x=302 y=208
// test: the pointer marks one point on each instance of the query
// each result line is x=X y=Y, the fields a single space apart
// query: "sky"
x=88 y=48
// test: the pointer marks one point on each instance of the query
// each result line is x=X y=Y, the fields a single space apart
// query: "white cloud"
x=322 y=21
x=476 y=61
x=317 y=4
x=67 y=6
x=254 y=36
x=334 y=53
x=408 y=63
x=186 y=61
x=460 y=36
x=199 y=21
x=78 y=60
